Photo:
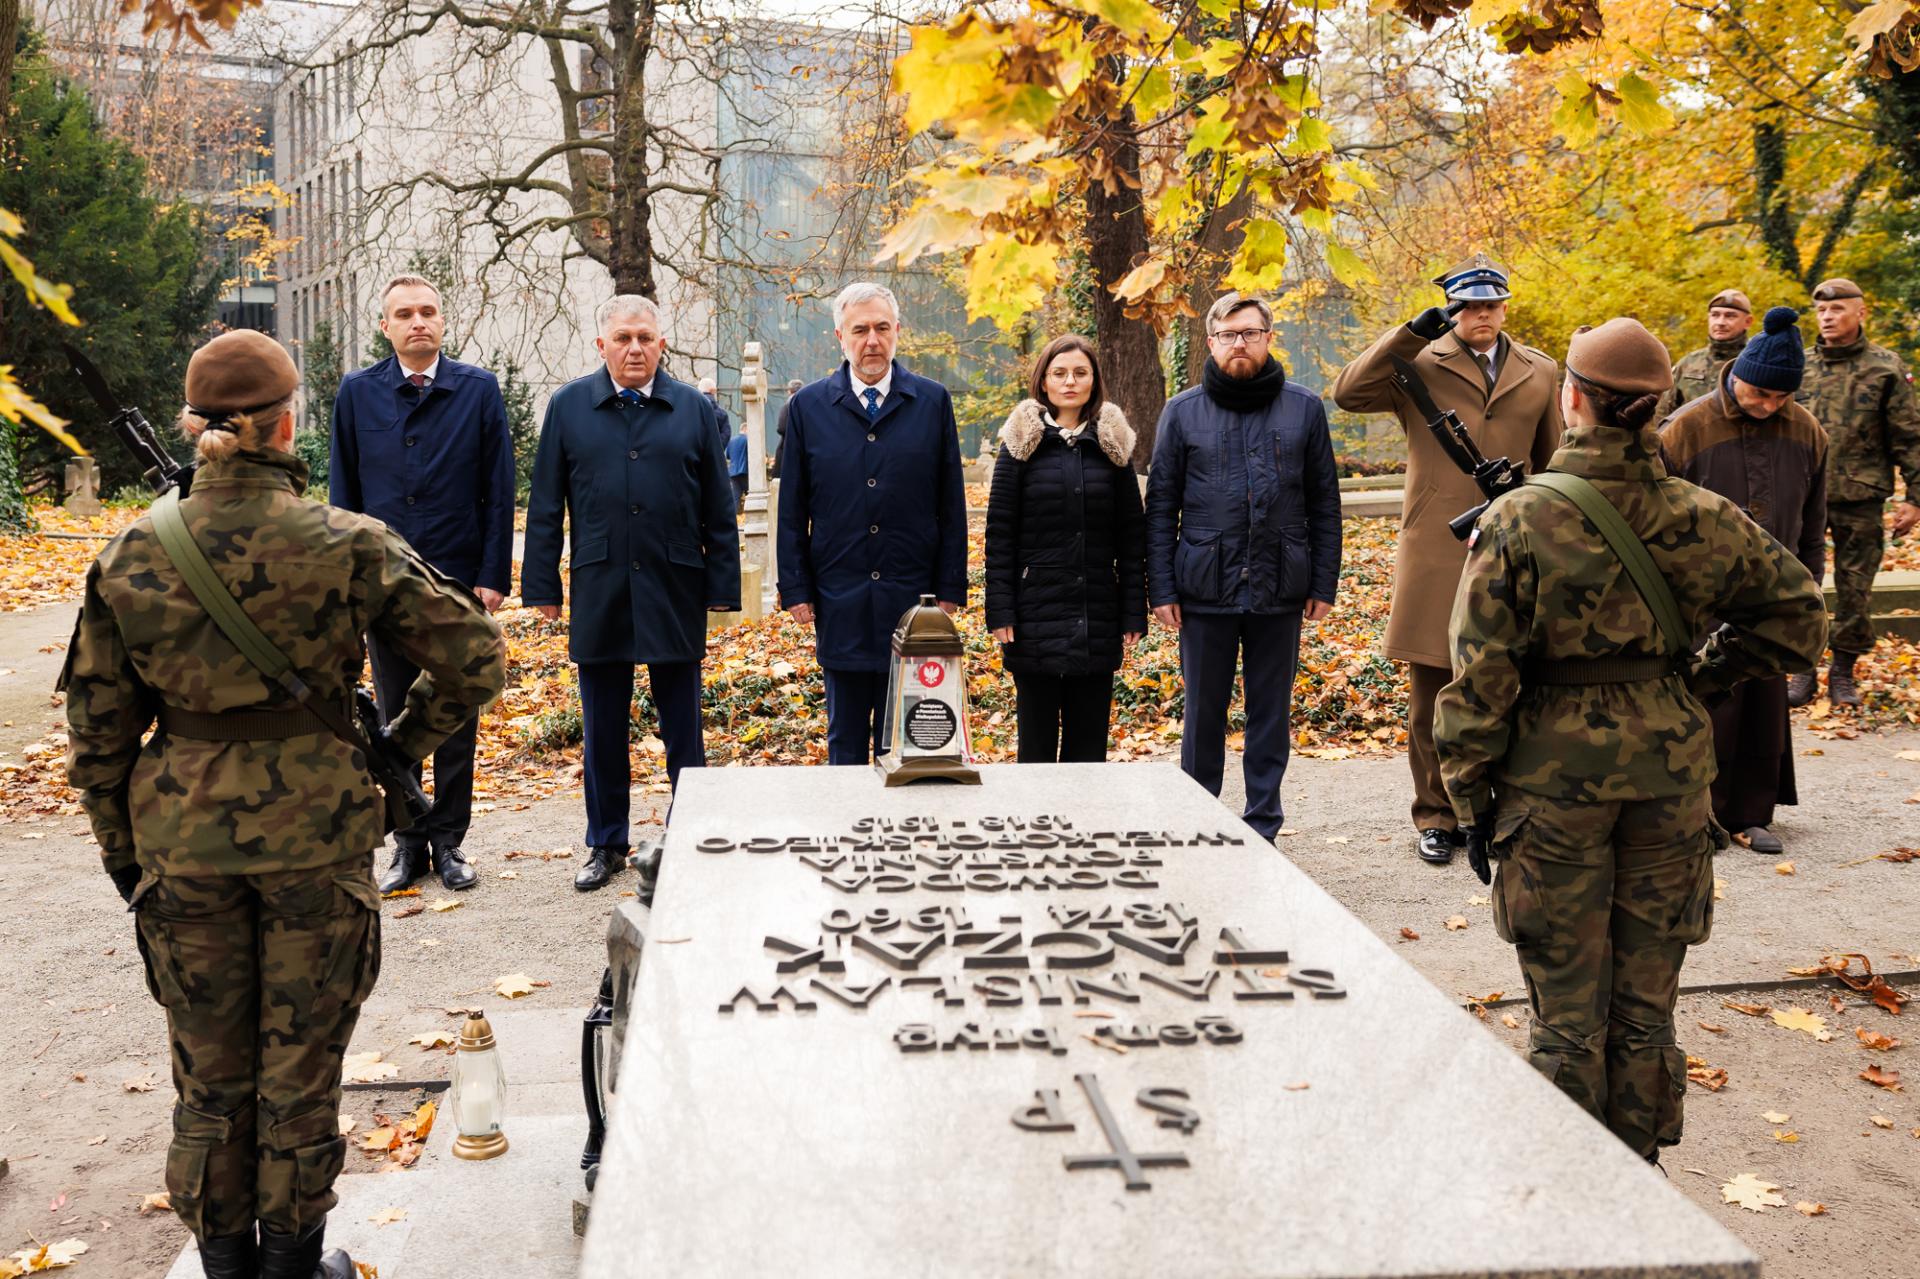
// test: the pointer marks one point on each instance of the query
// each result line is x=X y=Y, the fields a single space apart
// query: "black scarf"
x=1244 y=394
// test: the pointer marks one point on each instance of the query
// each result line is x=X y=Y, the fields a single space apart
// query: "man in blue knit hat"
x=1750 y=443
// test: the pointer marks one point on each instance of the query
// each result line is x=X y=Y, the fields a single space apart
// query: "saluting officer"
x=1506 y=396
x=242 y=832
x=1574 y=738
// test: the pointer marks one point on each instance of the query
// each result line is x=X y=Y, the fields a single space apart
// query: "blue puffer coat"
x=1243 y=509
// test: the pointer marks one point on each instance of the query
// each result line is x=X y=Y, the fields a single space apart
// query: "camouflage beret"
x=240 y=372
x=1835 y=289
x=1732 y=300
x=1622 y=356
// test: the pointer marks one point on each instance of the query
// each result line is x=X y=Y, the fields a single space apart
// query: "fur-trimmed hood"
x=1027 y=423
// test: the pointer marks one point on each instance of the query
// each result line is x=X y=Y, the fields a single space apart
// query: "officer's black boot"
x=408 y=864
x=1840 y=687
x=1802 y=687
x=302 y=1256
x=231 y=1256
x=601 y=865
x=456 y=872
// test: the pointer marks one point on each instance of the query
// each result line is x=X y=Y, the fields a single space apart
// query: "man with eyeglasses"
x=1508 y=396
x=1243 y=543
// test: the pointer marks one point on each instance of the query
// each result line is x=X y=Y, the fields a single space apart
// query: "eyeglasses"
x=1240 y=337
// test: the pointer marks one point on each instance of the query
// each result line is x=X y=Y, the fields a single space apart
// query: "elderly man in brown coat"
x=1508 y=396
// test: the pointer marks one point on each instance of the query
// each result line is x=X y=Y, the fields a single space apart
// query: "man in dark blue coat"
x=873 y=514
x=420 y=441
x=1243 y=539
x=632 y=458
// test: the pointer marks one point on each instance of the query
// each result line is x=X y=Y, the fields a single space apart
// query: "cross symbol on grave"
x=1130 y=1164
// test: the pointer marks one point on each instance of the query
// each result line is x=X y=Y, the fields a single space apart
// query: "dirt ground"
x=85 y=1097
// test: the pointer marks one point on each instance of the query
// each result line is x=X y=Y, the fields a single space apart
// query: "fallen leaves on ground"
x=1783 y=868
x=408 y=912
x=517 y=986
x=51 y=1256
x=1785 y=1137
x=1775 y=1116
x=1751 y=1010
x=347 y=1124
x=1866 y=982
x=1456 y=922
x=1874 y=1040
x=366 y=1270
x=1409 y=934
x=1711 y=1078
x=1810 y=1209
x=442 y=907
x=400 y=892
x=159 y=1202
x=1751 y=1193
x=1880 y=1121
x=142 y=1084
x=433 y=1039
x=1509 y=1021
x=1880 y=1077
x=1712 y=1029
x=367 y=1068
x=1802 y=1020
x=387 y=1216
x=400 y=1142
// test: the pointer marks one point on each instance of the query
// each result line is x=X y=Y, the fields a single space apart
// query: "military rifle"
x=1495 y=476
x=405 y=799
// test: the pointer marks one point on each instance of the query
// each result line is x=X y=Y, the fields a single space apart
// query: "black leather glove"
x=125 y=880
x=1480 y=849
x=1434 y=322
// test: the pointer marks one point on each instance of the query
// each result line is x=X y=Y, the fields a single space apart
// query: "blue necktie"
x=873 y=402
x=632 y=396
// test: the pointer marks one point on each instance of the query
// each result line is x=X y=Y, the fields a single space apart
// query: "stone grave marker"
x=1074 y=1021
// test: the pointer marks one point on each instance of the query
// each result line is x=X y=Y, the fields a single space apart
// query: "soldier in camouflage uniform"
x=1576 y=747
x=242 y=831
x=1862 y=394
x=1729 y=316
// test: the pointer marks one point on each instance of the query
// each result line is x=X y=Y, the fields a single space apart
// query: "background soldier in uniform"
x=242 y=831
x=1507 y=395
x=1573 y=737
x=1729 y=316
x=1862 y=395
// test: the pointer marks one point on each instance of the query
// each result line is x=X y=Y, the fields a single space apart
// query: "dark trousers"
x=1432 y=810
x=1063 y=718
x=445 y=825
x=606 y=697
x=855 y=701
x=1754 y=748
x=739 y=492
x=1268 y=646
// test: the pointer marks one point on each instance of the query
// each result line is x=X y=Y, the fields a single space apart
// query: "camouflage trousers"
x=262 y=978
x=1859 y=541
x=1602 y=900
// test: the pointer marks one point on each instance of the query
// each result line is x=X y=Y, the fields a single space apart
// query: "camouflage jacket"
x=1862 y=395
x=315 y=579
x=1541 y=583
x=1698 y=373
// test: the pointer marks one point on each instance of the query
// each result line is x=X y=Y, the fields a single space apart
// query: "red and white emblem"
x=931 y=673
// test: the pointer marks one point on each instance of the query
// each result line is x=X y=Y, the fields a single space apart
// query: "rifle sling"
x=177 y=544
x=1632 y=553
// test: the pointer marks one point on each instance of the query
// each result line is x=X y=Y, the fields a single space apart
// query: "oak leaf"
x=1751 y=1193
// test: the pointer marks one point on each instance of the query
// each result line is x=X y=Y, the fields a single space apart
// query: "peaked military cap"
x=1835 y=289
x=1478 y=279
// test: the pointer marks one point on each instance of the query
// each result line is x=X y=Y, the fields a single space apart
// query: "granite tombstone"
x=1078 y=1021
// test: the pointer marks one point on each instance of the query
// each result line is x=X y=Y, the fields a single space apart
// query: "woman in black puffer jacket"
x=1066 y=555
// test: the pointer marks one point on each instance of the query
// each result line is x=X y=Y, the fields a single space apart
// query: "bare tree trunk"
x=1116 y=238
x=1218 y=241
x=630 y=231
x=9 y=35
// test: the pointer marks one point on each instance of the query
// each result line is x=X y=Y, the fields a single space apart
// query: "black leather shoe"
x=408 y=865
x=1762 y=840
x=600 y=867
x=231 y=1256
x=1437 y=846
x=302 y=1256
x=456 y=872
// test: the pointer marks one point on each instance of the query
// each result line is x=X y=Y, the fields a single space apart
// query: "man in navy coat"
x=633 y=460
x=873 y=514
x=1243 y=541
x=420 y=441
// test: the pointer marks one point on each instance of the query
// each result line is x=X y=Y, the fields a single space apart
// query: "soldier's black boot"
x=1802 y=687
x=231 y=1256
x=408 y=865
x=600 y=867
x=302 y=1256
x=1436 y=846
x=1840 y=686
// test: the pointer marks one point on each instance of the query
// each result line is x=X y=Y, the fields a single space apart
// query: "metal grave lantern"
x=924 y=728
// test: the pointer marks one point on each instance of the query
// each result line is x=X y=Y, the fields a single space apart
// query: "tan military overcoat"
x=1518 y=419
